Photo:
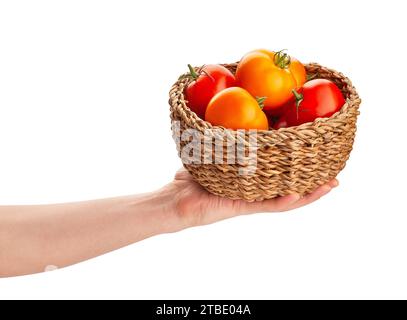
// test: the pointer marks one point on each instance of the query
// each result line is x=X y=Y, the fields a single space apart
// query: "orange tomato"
x=272 y=75
x=235 y=108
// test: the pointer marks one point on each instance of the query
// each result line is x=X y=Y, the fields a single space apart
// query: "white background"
x=84 y=114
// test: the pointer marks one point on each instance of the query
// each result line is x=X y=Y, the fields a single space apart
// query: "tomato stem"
x=192 y=72
x=260 y=101
x=282 y=59
x=298 y=99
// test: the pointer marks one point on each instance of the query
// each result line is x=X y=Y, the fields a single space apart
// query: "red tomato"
x=275 y=113
x=318 y=98
x=209 y=80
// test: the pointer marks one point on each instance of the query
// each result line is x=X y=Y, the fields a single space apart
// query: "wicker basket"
x=289 y=160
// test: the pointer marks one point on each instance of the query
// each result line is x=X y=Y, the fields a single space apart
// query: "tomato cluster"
x=269 y=90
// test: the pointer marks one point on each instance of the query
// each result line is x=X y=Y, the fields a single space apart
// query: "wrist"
x=156 y=211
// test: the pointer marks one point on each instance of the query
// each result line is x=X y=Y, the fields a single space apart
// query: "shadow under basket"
x=289 y=160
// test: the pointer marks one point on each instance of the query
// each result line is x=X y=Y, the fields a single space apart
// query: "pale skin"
x=35 y=237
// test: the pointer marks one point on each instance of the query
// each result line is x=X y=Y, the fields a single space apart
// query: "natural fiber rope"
x=295 y=159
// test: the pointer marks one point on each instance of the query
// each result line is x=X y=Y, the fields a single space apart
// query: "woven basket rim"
x=352 y=100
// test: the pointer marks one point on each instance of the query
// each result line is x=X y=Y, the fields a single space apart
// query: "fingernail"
x=294 y=197
x=335 y=183
x=328 y=188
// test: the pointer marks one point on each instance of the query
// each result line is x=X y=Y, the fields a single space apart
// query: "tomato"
x=281 y=123
x=275 y=113
x=318 y=98
x=207 y=82
x=235 y=108
x=270 y=74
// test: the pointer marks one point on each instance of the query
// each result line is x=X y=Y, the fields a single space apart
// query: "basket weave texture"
x=289 y=160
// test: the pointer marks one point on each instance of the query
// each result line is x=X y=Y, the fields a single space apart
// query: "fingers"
x=280 y=203
x=333 y=183
x=315 y=195
x=272 y=205
x=289 y=202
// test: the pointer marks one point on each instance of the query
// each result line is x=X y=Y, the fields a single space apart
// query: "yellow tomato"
x=234 y=108
x=272 y=75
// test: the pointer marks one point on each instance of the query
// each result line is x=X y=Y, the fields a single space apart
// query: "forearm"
x=34 y=237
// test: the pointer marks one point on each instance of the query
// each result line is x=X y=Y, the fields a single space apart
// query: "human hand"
x=195 y=206
x=32 y=238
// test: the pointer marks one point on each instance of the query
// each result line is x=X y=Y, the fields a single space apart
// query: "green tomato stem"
x=192 y=72
x=260 y=101
x=282 y=59
x=298 y=99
